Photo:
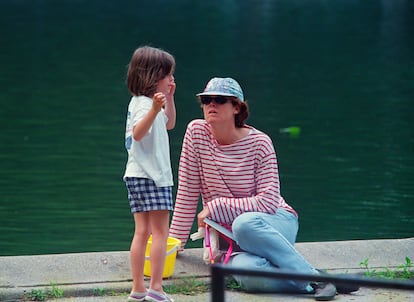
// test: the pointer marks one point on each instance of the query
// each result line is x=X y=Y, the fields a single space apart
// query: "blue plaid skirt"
x=145 y=196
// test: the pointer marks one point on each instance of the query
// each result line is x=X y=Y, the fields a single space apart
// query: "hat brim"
x=216 y=93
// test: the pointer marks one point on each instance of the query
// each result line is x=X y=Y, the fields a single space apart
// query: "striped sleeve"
x=188 y=191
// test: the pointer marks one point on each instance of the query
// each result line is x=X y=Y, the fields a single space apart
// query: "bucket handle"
x=170 y=252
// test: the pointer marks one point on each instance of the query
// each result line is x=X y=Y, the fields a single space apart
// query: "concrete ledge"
x=346 y=256
x=81 y=274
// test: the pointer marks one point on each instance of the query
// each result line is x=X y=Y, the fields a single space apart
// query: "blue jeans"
x=268 y=244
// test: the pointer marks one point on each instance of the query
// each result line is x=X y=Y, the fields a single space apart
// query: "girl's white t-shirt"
x=149 y=157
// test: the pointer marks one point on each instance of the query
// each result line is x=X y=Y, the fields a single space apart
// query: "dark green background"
x=341 y=70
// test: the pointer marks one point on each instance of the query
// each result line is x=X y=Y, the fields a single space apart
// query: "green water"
x=343 y=71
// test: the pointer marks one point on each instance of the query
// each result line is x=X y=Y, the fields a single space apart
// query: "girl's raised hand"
x=159 y=101
x=172 y=90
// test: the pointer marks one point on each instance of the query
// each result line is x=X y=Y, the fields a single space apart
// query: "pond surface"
x=342 y=71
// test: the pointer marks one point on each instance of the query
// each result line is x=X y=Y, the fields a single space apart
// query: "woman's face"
x=218 y=112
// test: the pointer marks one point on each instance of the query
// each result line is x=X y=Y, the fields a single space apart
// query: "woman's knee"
x=242 y=222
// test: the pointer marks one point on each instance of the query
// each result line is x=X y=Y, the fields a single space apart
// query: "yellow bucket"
x=172 y=247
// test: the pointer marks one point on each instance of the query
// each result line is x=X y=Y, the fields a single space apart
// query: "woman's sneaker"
x=324 y=291
x=155 y=296
x=135 y=296
x=343 y=288
x=346 y=288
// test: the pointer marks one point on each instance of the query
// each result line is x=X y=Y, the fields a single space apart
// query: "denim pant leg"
x=263 y=284
x=268 y=240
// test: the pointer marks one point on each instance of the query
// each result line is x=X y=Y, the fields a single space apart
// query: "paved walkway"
x=81 y=276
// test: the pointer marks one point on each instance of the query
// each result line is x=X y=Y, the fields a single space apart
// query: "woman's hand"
x=203 y=214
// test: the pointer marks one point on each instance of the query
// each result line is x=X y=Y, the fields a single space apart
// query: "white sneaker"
x=155 y=296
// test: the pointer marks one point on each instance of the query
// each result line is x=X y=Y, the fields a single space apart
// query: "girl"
x=148 y=174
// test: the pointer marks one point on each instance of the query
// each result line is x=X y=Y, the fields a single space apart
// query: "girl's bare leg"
x=159 y=221
x=137 y=251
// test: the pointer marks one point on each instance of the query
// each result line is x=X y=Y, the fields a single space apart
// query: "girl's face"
x=164 y=85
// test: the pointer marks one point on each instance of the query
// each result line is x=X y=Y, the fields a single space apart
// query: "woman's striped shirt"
x=232 y=179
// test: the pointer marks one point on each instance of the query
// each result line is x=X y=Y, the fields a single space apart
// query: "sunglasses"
x=206 y=100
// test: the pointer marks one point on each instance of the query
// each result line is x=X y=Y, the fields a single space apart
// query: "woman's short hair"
x=243 y=114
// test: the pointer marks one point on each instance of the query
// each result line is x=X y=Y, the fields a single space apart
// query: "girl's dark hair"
x=148 y=65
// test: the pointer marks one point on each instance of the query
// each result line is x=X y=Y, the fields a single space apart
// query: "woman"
x=234 y=168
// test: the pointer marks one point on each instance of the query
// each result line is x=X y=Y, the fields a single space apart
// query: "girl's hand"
x=159 y=101
x=170 y=95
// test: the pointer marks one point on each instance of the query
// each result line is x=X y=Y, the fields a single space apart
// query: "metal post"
x=217 y=284
x=219 y=273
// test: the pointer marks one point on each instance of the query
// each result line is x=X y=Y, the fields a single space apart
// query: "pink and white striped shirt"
x=232 y=179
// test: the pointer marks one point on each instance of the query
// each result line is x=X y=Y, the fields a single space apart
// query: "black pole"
x=217 y=284
x=219 y=272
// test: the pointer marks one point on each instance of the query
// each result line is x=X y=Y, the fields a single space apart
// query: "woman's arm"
x=188 y=191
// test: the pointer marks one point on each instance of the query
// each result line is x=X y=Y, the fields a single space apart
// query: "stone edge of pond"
x=87 y=274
